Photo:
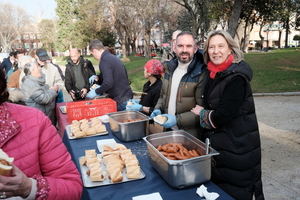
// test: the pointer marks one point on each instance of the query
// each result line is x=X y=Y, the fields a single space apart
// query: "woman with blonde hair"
x=229 y=120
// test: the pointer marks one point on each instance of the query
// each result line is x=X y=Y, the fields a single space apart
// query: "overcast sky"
x=39 y=9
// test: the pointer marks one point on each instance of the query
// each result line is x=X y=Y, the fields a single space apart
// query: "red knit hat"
x=154 y=67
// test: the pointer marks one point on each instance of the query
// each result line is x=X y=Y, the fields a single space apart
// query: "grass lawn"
x=273 y=71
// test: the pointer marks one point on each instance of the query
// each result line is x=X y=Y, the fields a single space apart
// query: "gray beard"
x=184 y=61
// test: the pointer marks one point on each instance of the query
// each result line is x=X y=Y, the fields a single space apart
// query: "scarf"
x=214 y=69
x=8 y=126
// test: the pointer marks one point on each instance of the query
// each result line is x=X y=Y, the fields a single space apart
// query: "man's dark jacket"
x=115 y=81
x=87 y=70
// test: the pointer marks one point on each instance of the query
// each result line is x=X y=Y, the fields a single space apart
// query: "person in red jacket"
x=42 y=167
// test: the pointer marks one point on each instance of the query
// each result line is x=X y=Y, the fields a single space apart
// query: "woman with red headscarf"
x=153 y=71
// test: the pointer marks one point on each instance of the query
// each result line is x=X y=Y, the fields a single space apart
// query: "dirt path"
x=279 y=123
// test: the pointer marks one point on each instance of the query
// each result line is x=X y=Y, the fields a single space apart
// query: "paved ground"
x=279 y=123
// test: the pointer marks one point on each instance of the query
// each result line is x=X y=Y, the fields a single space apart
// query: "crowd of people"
x=206 y=92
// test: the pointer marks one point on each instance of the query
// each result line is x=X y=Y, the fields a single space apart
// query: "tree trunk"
x=127 y=46
x=235 y=16
x=133 y=47
x=261 y=36
x=147 y=39
x=279 y=38
x=287 y=30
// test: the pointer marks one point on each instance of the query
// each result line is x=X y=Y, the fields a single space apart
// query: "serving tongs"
x=207 y=144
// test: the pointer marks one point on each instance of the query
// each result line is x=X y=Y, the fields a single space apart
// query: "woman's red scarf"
x=214 y=69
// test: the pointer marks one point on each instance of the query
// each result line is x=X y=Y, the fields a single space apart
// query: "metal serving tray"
x=88 y=183
x=129 y=131
x=180 y=173
x=71 y=137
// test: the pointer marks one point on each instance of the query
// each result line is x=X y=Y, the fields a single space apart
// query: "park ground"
x=279 y=118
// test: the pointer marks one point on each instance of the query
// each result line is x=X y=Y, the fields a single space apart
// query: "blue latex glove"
x=92 y=79
x=95 y=86
x=135 y=100
x=170 y=122
x=155 y=113
x=92 y=94
x=134 y=107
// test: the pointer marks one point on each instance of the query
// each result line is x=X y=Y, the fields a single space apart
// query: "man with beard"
x=183 y=85
x=78 y=71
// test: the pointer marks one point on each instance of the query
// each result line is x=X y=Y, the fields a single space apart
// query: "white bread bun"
x=5 y=163
x=160 y=119
x=129 y=103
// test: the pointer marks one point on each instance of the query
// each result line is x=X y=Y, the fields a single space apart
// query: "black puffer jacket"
x=151 y=94
x=237 y=169
x=87 y=71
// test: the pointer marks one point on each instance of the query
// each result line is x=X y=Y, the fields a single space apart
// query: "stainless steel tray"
x=129 y=131
x=88 y=183
x=69 y=133
x=180 y=173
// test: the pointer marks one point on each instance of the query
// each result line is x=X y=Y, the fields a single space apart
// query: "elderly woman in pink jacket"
x=42 y=167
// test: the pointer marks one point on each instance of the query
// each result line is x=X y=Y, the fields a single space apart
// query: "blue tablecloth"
x=125 y=191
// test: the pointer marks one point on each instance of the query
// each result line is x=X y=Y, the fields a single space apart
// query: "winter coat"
x=189 y=93
x=87 y=70
x=237 y=169
x=115 y=80
x=38 y=95
x=7 y=66
x=13 y=80
x=38 y=150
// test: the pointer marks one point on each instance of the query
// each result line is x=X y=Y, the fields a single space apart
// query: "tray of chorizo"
x=179 y=158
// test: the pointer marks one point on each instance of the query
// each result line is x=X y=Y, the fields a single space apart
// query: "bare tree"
x=47 y=30
x=13 y=20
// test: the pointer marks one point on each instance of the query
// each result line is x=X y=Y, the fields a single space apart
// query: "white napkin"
x=202 y=192
x=109 y=142
x=152 y=196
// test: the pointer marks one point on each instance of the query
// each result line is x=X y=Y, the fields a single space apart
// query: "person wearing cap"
x=113 y=75
x=183 y=84
x=78 y=71
x=52 y=74
x=153 y=71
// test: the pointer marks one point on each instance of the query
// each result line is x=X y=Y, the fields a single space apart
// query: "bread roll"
x=160 y=119
x=5 y=163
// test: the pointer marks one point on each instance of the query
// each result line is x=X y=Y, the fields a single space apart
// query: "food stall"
x=150 y=180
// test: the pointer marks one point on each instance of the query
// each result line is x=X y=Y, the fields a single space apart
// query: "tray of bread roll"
x=86 y=128
x=114 y=165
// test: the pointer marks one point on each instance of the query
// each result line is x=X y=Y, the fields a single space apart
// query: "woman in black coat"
x=229 y=120
x=153 y=71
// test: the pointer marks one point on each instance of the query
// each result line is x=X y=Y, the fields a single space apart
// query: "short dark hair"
x=13 y=53
x=96 y=44
x=186 y=33
x=3 y=92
